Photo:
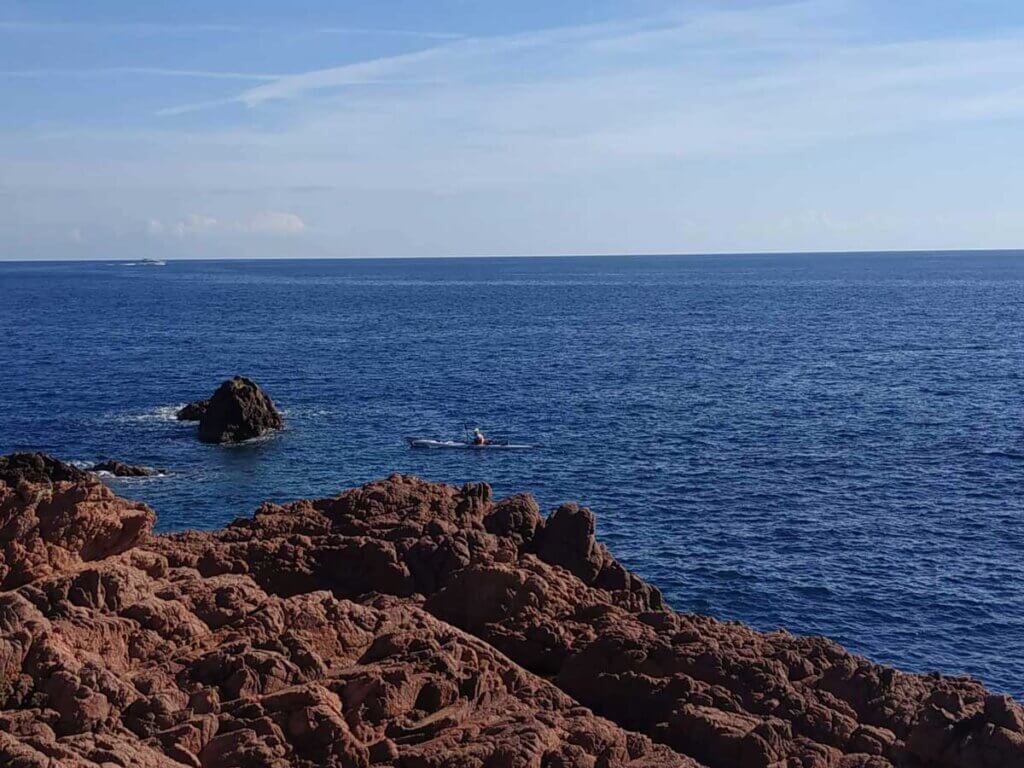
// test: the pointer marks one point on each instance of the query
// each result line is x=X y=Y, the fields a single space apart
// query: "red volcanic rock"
x=420 y=625
x=50 y=526
x=239 y=410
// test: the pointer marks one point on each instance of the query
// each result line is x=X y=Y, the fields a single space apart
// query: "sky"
x=329 y=128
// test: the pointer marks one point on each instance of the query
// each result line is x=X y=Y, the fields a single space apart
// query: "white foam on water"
x=307 y=412
x=264 y=438
x=162 y=413
x=103 y=474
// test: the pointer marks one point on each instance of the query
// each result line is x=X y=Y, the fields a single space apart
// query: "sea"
x=827 y=443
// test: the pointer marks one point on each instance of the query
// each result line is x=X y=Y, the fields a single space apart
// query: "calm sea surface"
x=833 y=444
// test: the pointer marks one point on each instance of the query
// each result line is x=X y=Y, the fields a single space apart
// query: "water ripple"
x=828 y=444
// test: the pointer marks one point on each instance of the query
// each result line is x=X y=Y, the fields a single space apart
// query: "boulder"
x=239 y=410
x=37 y=468
x=120 y=469
x=193 y=411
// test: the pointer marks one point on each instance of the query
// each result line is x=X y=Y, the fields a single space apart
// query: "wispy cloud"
x=769 y=78
x=273 y=223
x=763 y=78
x=637 y=133
x=468 y=58
x=454 y=59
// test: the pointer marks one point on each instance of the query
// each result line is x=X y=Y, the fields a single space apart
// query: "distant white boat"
x=152 y=263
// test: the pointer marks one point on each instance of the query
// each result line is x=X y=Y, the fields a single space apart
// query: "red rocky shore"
x=414 y=624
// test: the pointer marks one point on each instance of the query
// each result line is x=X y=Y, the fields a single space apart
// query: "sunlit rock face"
x=415 y=624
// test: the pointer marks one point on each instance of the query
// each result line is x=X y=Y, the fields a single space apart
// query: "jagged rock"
x=567 y=539
x=239 y=410
x=49 y=526
x=193 y=411
x=37 y=468
x=413 y=624
x=120 y=469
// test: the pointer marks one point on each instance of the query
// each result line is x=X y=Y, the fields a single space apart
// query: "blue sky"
x=407 y=128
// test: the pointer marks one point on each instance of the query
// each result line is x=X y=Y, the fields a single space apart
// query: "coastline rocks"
x=37 y=468
x=413 y=624
x=239 y=410
x=49 y=526
x=193 y=411
x=120 y=469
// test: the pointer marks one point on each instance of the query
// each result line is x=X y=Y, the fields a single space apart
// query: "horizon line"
x=605 y=255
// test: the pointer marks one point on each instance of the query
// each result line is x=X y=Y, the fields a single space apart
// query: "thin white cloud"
x=365 y=72
x=710 y=83
x=453 y=59
x=525 y=100
x=273 y=223
x=689 y=63
x=198 y=225
x=631 y=135
x=195 y=224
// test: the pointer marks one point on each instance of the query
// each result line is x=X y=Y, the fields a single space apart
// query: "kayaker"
x=478 y=437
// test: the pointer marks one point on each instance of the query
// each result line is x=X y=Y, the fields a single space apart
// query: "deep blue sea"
x=828 y=443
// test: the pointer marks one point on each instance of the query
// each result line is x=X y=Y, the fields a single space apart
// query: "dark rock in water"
x=37 y=468
x=414 y=624
x=193 y=411
x=120 y=469
x=239 y=410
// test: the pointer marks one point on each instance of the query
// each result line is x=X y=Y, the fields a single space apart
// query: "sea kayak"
x=455 y=445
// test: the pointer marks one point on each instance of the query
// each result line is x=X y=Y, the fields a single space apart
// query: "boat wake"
x=428 y=443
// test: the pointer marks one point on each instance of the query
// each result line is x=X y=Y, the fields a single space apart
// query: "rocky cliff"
x=419 y=625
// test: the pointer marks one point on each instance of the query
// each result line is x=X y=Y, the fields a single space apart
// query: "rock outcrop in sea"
x=420 y=625
x=239 y=410
x=120 y=469
x=37 y=468
x=193 y=411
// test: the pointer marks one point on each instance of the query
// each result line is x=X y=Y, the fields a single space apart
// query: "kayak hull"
x=456 y=445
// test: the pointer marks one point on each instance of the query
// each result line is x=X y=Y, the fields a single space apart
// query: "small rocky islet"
x=238 y=410
x=415 y=624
